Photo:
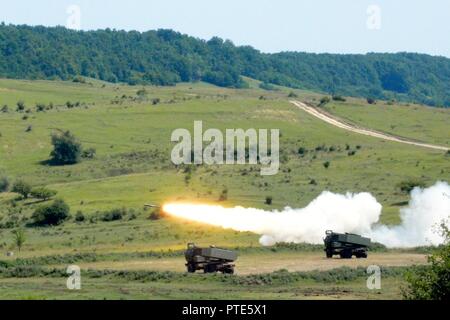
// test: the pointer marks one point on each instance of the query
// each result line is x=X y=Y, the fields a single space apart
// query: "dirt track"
x=324 y=116
x=266 y=263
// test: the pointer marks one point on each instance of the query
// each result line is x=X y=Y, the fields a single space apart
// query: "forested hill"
x=165 y=57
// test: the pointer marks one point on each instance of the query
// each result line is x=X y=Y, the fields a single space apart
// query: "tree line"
x=166 y=57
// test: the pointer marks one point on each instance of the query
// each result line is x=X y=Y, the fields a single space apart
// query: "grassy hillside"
x=132 y=166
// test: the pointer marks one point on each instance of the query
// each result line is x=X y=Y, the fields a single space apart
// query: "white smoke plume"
x=355 y=213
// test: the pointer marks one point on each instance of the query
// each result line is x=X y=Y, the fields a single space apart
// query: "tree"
x=51 y=215
x=66 y=149
x=21 y=187
x=432 y=282
x=20 y=106
x=43 y=193
x=19 y=238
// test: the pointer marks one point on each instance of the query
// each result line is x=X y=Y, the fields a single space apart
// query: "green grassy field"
x=132 y=167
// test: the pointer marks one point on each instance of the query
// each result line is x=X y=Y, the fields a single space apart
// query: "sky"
x=334 y=26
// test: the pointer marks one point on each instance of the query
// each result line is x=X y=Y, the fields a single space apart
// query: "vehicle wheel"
x=210 y=268
x=228 y=271
x=329 y=254
x=346 y=254
x=191 y=268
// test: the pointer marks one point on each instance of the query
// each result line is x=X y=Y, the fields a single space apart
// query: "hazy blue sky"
x=314 y=26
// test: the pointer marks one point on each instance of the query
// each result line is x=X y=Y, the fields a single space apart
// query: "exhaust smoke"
x=355 y=213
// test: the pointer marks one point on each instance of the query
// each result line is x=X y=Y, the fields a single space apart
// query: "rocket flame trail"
x=358 y=213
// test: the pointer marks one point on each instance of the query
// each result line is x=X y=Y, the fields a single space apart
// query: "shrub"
x=408 y=185
x=113 y=215
x=79 y=79
x=156 y=101
x=269 y=200
x=292 y=94
x=20 y=106
x=351 y=153
x=5 y=108
x=22 y=188
x=324 y=101
x=40 y=107
x=141 y=92
x=79 y=217
x=89 y=153
x=302 y=151
x=371 y=101
x=338 y=98
x=326 y=164
x=29 y=128
x=431 y=282
x=66 y=148
x=51 y=215
x=42 y=193
x=267 y=86
x=224 y=195
x=4 y=184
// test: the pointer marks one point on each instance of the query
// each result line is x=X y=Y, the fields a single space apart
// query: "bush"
x=224 y=195
x=324 y=101
x=141 y=92
x=42 y=193
x=156 y=101
x=5 y=109
x=51 y=215
x=66 y=148
x=22 y=188
x=113 y=215
x=89 y=153
x=431 y=282
x=79 y=79
x=79 y=217
x=326 y=164
x=371 y=101
x=408 y=185
x=302 y=151
x=339 y=98
x=4 y=184
x=40 y=107
x=269 y=200
x=20 y=106
x=292 y=95
x=267 y=86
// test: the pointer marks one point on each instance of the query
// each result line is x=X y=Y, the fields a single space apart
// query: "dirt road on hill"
x=331 y=119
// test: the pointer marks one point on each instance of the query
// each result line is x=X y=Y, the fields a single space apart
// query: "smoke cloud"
x=355 y=213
